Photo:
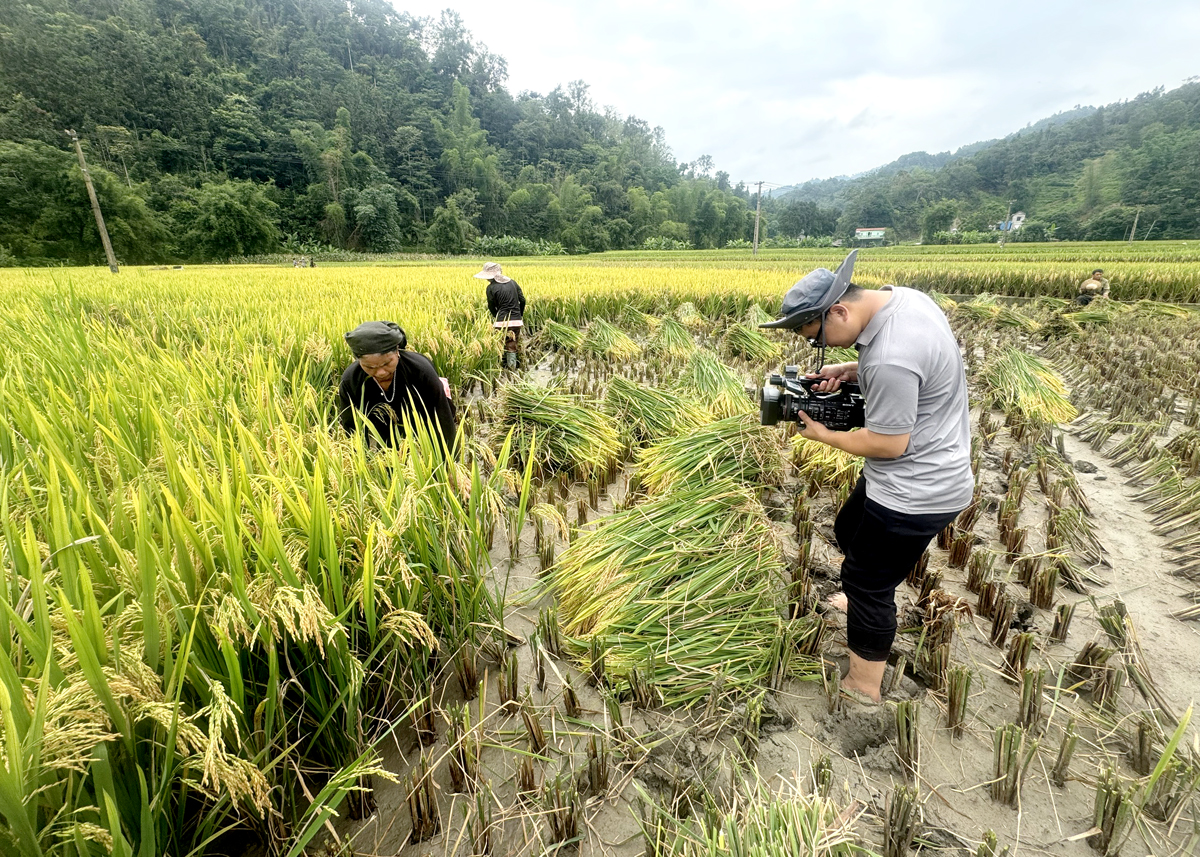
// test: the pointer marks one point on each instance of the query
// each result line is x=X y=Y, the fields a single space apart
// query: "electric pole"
x=1133 y=231
x=1007 y=224
x=87 y=180
x=757 y=217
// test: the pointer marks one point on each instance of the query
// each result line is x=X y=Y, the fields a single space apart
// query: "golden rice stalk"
x=561 y=336
x=672 y=340
x=819 y=463
x=716 y=385
x=733 y=448
x=569 y=435
x=945 y=303
x=649 y=414
x=689 y=316
x=634 y=319
x=605 y=340
x=1019 y=380
x=688 y=582
x=748 y=344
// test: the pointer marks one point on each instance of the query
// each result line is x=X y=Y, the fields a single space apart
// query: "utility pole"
x=757 y=217
x=87 y=180
x=1133 y=231
x=1007 y=224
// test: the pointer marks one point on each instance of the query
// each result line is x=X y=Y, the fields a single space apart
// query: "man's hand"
x=812 y=429
x=834 y=374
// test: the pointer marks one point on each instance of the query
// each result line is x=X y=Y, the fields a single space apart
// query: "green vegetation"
x=215 y=129
x=218 y=131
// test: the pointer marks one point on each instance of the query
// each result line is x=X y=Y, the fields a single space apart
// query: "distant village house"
x=869 y=234
x=1018 y=219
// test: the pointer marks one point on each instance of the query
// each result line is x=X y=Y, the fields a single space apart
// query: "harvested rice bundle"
x=673 y=340
x=1048 y=304
x=715 y=384
x=634 y=319
x=686 y=587
x=945 y=303
x=1099 y=312
x=982 y=308
x=1017 y=379
x=823 y=465
x=1009 y=317
x=570 y=435
x=689 y=316
x=735 y=448
x=748 y=344
x=561 y=336
x=648 y=414
x=1060 y=326
x=1159 y=308
x=605 y=340
x=765 y=823
x=756 y=315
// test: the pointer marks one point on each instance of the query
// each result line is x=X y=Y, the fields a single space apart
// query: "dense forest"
x=224 y=128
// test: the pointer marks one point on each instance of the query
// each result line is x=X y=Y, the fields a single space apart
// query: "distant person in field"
x=506 y=303
x=387 y=384
x=916 y=444
x=1095 y=286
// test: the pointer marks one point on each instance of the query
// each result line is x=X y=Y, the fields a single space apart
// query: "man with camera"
x=915 y=440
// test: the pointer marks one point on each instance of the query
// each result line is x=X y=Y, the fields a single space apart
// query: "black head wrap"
x=376 y=337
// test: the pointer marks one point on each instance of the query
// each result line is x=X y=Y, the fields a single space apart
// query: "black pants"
x=880 y=547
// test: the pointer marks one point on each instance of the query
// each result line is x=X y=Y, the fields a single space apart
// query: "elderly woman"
x=387 y=384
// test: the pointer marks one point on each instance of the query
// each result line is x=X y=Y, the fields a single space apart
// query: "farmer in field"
x=506 y=303
x=916 y=444
x=387 y=384
x=1095 y=286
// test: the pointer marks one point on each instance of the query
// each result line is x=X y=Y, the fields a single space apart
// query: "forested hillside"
x=221 y=127
x=1086 y=178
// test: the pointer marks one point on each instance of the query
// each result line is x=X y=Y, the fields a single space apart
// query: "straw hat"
x=491 y=271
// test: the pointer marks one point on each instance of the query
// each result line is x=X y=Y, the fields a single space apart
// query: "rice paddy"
x=229 y=628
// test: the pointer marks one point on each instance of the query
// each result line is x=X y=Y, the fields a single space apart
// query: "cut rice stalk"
x=715 y=384
x=736 y=448
x=691 y=581
x=605 y=340
x=649 y=414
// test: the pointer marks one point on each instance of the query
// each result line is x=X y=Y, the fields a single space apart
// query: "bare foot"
x=837 y=601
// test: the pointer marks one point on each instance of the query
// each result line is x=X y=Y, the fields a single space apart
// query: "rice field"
x=228 y=628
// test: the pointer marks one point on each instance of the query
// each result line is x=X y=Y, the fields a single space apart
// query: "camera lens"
x=770 y=409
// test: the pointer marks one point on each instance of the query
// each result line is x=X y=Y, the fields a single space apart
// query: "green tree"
x=449 y=232
x=938 y=217
x=228 y=219
x=45 y=212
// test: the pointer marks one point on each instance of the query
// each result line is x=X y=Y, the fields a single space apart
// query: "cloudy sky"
x=788 y=91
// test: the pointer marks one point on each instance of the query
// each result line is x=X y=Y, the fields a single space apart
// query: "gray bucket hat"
x=813 y=295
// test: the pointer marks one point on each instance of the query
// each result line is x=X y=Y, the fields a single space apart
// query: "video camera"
x=784 y=397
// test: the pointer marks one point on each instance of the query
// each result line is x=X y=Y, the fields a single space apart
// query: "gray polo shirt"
x=911 y=374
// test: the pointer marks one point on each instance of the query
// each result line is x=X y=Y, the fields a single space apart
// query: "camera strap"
x=819 y=344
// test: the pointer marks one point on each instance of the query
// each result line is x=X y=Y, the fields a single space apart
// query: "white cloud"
x=787 y=91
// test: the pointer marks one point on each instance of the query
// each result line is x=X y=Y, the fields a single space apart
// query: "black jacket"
x=506 y=301
x=415 y=385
